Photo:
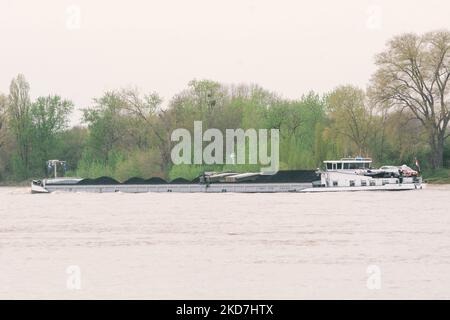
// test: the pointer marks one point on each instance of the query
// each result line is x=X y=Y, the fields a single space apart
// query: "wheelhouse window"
x=363 y=183
x=356 y=165
x=352 y=183
x=372 y=182
x=347 y=165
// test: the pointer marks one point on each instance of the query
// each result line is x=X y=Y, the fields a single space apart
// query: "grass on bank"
x=439 y=176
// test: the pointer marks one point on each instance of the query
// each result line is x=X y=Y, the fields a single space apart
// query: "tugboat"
x=356 y=174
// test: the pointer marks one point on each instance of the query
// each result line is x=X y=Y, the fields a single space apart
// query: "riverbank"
x=23 y=183
x=440 y=176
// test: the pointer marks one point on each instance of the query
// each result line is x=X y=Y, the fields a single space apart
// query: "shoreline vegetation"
x=401 y=116
x=440 y=176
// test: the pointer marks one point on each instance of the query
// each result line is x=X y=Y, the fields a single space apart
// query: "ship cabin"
x=348 y=164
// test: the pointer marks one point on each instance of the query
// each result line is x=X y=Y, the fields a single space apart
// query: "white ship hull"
x=393 y=187
x=185 y=188
x=218 y=188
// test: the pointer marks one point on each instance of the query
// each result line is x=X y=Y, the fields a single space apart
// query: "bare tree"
x=413 y=73
x=148 y=108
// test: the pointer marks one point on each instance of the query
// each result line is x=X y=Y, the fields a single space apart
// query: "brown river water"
x=225 y=246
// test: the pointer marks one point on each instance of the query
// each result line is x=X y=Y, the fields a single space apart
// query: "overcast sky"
x=81 y=48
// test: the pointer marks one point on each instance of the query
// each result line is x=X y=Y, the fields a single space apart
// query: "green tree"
x=49 y=118
x=74 y=143
x=20 y=122
x=3 y=109
x=106 y=126
x=4 y=152
x=350 y=118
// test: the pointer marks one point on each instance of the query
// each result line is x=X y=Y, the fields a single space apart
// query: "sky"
x=80 y=48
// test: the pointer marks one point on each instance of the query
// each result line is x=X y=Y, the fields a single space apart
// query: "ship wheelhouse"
x=349 y=172
x=348 y=164
x=358 y=173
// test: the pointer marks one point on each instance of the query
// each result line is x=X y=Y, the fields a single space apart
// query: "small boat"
x=347 y=174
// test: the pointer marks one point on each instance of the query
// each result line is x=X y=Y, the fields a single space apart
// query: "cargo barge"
x=347 y=174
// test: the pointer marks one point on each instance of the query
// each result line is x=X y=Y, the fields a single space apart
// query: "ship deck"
x=187 y=188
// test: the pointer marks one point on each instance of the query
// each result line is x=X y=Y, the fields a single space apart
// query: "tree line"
x=403 y=114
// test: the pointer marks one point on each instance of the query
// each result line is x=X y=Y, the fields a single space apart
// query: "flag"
x=417 y=164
